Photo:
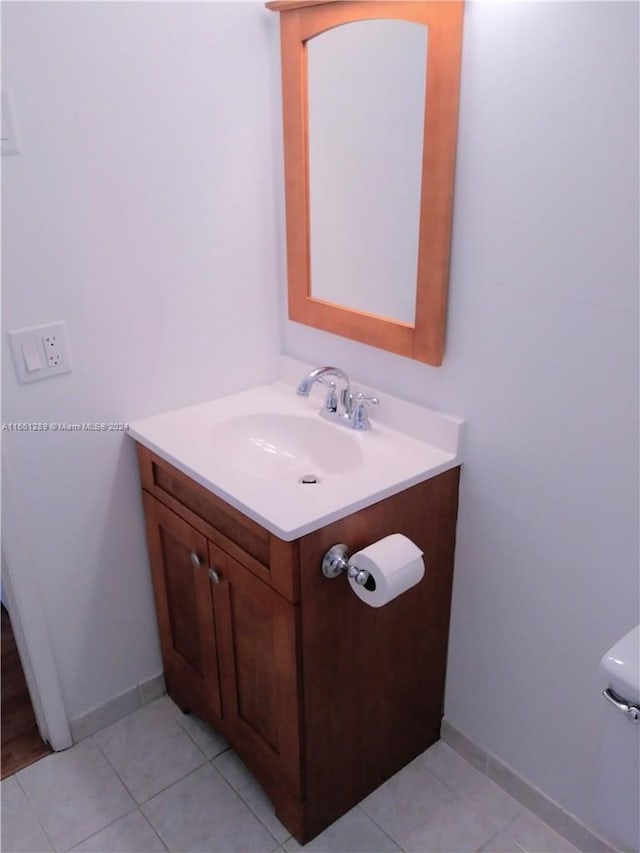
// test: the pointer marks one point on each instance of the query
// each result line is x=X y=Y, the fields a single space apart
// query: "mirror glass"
x=366 y=88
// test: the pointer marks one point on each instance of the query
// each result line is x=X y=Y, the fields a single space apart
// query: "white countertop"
x=251 y=448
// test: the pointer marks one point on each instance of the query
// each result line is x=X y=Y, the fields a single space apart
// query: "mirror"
x=366 y=119
x=370 y=102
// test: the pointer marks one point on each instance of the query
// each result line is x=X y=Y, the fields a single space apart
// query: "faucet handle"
x=362 y=398
x=331 y=402
x=360 y=414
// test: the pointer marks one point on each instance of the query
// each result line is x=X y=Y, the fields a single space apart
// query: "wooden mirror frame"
x=299 y=22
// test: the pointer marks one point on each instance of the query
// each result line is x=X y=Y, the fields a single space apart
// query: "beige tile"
x=241 y=779
x=525 y=793
x=97 y=719
x=476 y=789
x=209 y=741
x=535 y=836
x=464 y=746
x=576 y=833
x=456 y=827
x=131 y=834
x=234 y=770
x=203 y=813
x=354 y=832
x=528 y=795
x=151 y=689
x=501 y=843
x=75 y=793
x=149 y=749
x=21 y=830
x=421 y=813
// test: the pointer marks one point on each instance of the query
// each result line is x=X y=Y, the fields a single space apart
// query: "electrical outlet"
x=53 y=349
x=40 y=351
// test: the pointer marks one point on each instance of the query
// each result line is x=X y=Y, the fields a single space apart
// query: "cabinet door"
x=257 y=635
x=179 y=565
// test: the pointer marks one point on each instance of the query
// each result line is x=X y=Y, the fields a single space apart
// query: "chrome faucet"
x=345 y=408
x=341 y=406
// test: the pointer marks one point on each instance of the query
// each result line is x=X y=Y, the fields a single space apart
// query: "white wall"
x=542 y=360
x=146 y=211
x=143 y=212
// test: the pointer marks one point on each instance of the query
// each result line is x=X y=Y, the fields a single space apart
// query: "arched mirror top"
x=369 y=167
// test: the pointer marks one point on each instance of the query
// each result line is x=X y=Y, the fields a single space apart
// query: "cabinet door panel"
x=185 y=610
x=256 y=630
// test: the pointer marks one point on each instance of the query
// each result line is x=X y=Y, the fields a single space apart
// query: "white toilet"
x=617 y=790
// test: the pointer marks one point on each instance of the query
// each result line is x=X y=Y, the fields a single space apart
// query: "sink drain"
x=309 y=478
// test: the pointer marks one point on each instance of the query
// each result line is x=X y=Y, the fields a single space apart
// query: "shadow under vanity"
x=322 y=696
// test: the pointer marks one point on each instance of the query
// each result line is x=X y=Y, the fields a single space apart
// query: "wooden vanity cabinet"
x=322 y=696
x=184 y=607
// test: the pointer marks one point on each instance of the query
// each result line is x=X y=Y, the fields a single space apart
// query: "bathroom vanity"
x=322 y=696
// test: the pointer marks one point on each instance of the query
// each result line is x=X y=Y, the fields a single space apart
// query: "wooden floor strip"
x=21 y=741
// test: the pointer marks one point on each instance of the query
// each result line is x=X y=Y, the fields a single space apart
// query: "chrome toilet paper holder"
x=336 y=561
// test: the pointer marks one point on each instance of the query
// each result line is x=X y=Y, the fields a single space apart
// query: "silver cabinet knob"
x=214 y=576
x=195 y=560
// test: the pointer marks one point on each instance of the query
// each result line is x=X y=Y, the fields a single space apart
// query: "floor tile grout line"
x=510 y=836
x=211 y=760
x=91 y=834
x=139 y=806
x=193 y=741
x=524 y=809
x=171 y=784
x=381 y=828
x=254 y=813
x=460 y=796
x=520 y=849
x=189 y=735
x=121 y=780
x=161 y=840
x=146 y=802
x=246 y=802
x=501 y=828
x=136 y=805
x=548 y=826
x=519 y=846
x=161 y=790
x=32 y=806
x=222 y=776
x=179 y=714
x=158 y=794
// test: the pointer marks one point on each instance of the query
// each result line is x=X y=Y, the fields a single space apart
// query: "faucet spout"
x=346 y=408
x=320 y=374
x=339 y=406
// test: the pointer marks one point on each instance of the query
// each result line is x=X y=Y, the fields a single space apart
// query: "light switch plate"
x=40 y=351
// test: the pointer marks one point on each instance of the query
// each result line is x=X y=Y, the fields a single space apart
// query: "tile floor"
x=159 y=780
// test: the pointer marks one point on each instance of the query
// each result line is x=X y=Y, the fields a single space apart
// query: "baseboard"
x=526 y=793
x=116 y=708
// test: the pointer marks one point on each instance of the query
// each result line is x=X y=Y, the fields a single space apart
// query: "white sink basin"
x=286 y=447
x=252 y=449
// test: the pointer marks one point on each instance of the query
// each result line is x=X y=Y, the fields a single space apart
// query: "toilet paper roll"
x=394 y=564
